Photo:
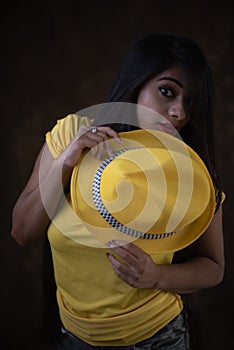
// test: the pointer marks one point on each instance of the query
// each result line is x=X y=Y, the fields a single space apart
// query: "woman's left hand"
x=137 y=269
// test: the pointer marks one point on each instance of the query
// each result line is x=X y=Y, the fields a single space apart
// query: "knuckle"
x=109 y=129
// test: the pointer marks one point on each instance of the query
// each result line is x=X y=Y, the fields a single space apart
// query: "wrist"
x=157 y=277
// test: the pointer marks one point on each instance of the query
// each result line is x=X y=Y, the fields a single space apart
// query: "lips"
x=168 y=128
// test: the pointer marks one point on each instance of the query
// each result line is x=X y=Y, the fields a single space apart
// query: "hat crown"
x=141 y=189
x=154 y=186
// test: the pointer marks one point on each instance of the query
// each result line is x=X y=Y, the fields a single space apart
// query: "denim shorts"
x=173 y=336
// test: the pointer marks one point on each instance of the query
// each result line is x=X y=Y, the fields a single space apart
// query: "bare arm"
x=30 y=218
x=33 y=211
x=204 y=270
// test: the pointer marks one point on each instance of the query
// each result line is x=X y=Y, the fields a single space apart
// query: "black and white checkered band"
x=105 y=213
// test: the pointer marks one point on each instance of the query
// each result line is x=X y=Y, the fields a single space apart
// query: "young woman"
x=171 y=76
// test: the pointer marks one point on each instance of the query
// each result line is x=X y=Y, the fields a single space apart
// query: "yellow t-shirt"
x=94 y=303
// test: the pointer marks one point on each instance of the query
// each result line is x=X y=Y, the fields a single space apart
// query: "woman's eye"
x=166 y=91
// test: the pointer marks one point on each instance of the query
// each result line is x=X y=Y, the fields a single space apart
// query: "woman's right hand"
x=95 y=141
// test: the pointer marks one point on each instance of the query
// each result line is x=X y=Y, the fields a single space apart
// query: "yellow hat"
x=154 y=190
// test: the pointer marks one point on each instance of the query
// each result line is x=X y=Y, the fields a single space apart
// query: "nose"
x=176 y=110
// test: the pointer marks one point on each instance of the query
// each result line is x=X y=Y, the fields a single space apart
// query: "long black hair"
x=153 y=54
x=146 y=58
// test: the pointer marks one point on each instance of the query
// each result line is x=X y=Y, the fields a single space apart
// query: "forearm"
x=29 y=218
x=196 y=274
x=34 y=209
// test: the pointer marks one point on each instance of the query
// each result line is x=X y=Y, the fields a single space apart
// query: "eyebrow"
x=172 y=79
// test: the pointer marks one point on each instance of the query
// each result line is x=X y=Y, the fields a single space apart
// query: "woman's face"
x=167 y=94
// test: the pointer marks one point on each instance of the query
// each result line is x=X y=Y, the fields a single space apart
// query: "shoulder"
x=70 y=124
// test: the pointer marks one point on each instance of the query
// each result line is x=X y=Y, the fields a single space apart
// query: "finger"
x=100 y=150
x=135 y=250
x=94 y=151
x=116 y=264
x=91 y=139
x=110 y=132
x=96 y=143
x=108 y=148
x=123 y=271
x=105 y=146
x=100 y=135
x=125 y=254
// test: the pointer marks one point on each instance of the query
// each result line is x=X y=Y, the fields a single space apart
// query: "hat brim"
x=82 y=200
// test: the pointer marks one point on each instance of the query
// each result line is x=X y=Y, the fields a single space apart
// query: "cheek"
x=142 y=97
x=148 y=99
x=149 y=116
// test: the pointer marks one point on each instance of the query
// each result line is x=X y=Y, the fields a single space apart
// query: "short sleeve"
x=63 y=132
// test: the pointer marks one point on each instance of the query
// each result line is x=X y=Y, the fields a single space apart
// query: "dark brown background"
x=59 y=57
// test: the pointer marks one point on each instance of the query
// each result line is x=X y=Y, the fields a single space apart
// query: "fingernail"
x=119 y=242
x=118 y=140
